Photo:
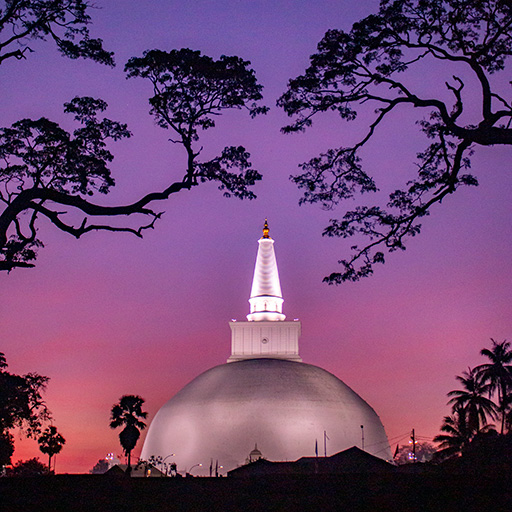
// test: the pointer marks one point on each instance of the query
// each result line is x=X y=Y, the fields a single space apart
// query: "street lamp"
x=190 y=470
x=164 y=465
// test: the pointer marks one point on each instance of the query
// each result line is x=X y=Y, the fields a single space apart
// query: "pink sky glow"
x=110 y=314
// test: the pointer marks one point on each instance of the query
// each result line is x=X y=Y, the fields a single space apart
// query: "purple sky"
x=110 y=314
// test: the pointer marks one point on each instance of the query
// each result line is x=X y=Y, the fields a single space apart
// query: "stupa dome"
x=263 y=395
x=255 y=454
x=283 y=406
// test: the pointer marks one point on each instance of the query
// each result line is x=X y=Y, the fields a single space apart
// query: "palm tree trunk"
x=129 y=468
x=49 y=464
x=502 y=406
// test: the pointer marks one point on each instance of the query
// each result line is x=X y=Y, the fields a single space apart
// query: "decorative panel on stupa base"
x=278 y=340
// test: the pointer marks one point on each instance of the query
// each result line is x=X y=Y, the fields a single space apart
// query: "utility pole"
x=326 y=437
x=413 y=441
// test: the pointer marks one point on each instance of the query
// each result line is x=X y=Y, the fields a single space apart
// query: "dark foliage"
x=455 y=437
x=48 y=172
x=21 y=405
x=43 y=166
x=473 y=399
x=366 y=66
x=487 y=453
x=497 y=373
x=128 y=413
x=51 y=443
x=190 y=90
x=489 y=450
x=6 y=448
x=30 y=467
x=64 y=21
x=473 y=407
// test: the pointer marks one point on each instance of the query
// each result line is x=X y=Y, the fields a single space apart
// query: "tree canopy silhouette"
x=64 y=21
x=473 y=407
x=128 y=413
x=46 y=171
x=21 y=406
x=497 y=373
x=370 y=65
x=456 y=435
x=30 y=467
x=51 y=443
x=473 y=398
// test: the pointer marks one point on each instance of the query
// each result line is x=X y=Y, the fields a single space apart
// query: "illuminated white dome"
x=264 y=394
x=281 y=405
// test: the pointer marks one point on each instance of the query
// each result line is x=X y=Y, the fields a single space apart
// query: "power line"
x=406 y=434
x=390 y=441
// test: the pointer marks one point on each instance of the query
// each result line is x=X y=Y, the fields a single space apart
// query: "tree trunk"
x=503 y=407
x=129 y=468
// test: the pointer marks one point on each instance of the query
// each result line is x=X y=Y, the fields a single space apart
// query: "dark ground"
x=351 y=493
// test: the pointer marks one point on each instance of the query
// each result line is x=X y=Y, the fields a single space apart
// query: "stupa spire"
x=266 y=300
x=266 y=334
x=265 y=230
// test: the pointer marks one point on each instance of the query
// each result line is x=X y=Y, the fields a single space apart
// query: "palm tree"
x=498 y=374
x=507 y=412
x=127 y=413
x=477 y=407
x=51 y=443
x=457 y=434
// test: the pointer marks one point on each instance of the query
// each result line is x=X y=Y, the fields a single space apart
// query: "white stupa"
x=264 y=394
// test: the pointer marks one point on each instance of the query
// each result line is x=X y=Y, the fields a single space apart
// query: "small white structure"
x=112 y=460
x=254 y=455
x=263 y=395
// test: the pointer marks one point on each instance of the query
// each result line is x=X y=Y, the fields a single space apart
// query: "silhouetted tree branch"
x=364 y=66
x=47 y=171
x=64 y=21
